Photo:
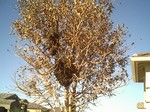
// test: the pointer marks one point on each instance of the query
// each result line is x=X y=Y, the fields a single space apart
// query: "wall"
x=34 y=110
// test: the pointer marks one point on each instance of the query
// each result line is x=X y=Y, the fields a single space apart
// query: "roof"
x=141 y=57
x=35 y=106
x=8 y=96
x=4 y=101
x=138 y=64
x=141 y=54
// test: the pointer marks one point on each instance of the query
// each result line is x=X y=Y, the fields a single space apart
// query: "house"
x=58 y=109
x=141 y=74
x=33 y=107
x=12 y=103
x=9 y=102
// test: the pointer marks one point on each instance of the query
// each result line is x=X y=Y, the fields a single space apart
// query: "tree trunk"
x=67 y=99
x=70 y=102
x=73 y=98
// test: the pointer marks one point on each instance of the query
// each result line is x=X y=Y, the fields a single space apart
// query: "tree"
x=73 y=52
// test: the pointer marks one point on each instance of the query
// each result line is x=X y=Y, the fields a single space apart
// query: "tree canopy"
x=74 y=53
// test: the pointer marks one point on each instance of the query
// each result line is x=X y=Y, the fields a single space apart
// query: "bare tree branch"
x=74 y=53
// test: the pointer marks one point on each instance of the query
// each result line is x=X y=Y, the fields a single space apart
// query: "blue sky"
x=133 y=13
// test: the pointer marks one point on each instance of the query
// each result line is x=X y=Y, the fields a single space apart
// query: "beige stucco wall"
x=5 y=105
x=12 y=106
x=147 y=88
x=34 y=110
